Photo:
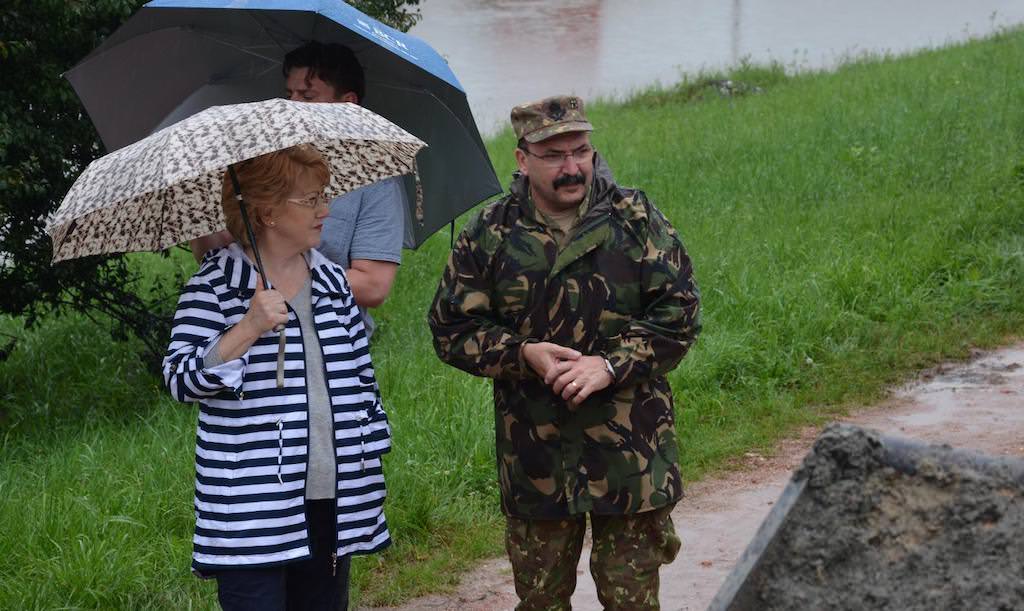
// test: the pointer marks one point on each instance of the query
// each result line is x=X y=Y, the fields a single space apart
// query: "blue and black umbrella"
x=174 y=58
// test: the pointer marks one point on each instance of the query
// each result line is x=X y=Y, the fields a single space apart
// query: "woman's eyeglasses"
x=313 y=200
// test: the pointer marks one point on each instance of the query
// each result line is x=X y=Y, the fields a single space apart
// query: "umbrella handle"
x=280 y=355
x=282 y=340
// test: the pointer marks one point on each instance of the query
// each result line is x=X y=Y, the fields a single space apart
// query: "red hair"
x=266 y=183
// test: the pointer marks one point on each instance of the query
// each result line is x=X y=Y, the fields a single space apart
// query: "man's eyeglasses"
x=314 y=200
x=556 y=159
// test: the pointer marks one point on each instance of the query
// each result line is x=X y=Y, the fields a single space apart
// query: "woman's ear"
x=265 y=218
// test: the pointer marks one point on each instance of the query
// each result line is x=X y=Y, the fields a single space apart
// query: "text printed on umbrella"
x=386 y=38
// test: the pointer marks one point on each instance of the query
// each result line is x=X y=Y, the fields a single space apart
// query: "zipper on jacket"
x=305 y=473
x=334 y=434
x=364 y=422
x=305 y=377
x=280 y=421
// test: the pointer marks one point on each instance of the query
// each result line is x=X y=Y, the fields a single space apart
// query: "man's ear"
x=349 y=96
x=521 y=161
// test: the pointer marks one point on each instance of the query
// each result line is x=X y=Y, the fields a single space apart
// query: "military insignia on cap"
x=536 y=121
x=555 y=111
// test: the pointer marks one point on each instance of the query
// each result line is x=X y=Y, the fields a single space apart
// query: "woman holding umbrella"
x=289 y=481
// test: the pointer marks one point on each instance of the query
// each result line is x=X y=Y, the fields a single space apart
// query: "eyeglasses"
x=314 y=200
x=555 y=159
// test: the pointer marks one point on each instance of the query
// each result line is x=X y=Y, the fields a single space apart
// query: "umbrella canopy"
x=174 y=58
x=166 y=188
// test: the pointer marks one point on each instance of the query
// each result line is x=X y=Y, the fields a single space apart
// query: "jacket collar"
x=326 y=277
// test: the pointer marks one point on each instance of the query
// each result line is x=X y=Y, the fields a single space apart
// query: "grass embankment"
x=846 y=229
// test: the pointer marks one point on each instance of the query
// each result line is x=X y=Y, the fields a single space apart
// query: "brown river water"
x=509 y=51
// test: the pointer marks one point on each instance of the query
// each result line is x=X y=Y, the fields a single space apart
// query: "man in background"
x=365 y=228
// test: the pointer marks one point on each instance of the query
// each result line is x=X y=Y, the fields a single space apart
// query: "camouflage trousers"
x=626 y=555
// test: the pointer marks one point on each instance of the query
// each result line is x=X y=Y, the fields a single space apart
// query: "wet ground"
x=978 y=405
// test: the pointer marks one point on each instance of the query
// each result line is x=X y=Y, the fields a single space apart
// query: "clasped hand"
x=568 y=372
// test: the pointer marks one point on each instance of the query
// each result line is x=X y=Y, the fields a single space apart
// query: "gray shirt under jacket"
x=320 y=466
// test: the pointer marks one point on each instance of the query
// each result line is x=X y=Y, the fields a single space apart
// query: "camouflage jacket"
x=622 y=287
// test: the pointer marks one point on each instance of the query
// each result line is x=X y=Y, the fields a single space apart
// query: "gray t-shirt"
x=321 y=465
x=368 y=223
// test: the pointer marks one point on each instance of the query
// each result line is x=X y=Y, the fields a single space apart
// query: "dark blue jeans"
x=307 y=585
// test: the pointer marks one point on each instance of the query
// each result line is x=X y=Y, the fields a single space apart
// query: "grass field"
x=847 y=228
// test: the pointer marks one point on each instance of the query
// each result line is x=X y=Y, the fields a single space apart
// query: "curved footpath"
x=977 y=405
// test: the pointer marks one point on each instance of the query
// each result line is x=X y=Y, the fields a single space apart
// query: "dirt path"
x=977 y=405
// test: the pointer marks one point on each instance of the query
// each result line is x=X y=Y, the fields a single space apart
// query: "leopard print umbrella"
x=166 y=189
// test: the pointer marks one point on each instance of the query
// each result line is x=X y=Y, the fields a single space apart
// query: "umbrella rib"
x=237 y=47
x=263 y=27
x=423 y=90
x=160 y=226
x=188 y=28
x=101 y=52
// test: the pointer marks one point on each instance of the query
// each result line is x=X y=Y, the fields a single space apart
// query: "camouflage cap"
x=558 y=114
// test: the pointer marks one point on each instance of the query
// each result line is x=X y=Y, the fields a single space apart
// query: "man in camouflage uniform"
x=576 y=296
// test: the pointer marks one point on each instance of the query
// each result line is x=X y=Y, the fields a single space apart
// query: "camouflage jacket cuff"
x=525 y=371
x=611 y=370
x=616 y=364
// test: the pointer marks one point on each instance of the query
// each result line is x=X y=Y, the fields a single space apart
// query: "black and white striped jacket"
x=251 y=438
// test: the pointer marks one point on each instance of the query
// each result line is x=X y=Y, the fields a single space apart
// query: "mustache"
x=566 y=180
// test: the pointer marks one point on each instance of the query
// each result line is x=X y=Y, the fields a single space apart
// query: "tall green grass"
x=846 y=228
